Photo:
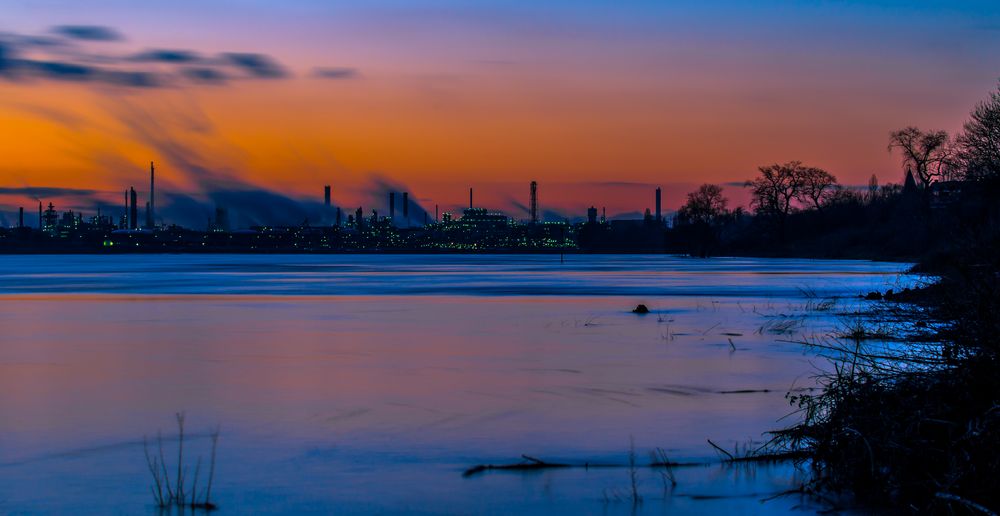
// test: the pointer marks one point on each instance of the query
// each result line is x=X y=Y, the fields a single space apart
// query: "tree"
x=979 y=143
x=704 y=205
x=873 y=188
x=701 y=219
x=841 y=196
x=775 y=189
x=925 y=152
x=816 y=186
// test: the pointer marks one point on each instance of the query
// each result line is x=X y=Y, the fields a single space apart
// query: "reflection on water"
x=368 y=383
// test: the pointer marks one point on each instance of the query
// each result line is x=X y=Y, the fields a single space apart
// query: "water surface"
x=368 y=383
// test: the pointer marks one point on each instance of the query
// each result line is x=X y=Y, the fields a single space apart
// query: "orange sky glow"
x=598 y=110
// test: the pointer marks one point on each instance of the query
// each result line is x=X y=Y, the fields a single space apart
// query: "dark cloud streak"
x=88 y=32
x=28 y=57
x=46 y=191
x=336 y=73
x=256 y=65
x=20 y=69
x=164 y=55
x=204 y=75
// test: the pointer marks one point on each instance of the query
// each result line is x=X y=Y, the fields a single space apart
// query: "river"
x=369 y=383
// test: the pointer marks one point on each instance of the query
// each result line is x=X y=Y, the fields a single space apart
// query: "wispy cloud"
x=165 y=55
x=88 y=32
x=204 y=74
x=257 y=65
x=60 y=56
x=45 y=191
x=336 y=73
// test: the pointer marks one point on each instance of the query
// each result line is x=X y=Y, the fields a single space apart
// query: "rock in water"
x=641 y=309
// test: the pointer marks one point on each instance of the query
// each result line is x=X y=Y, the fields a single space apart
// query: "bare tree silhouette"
x=926 y=152
x=979 y=142
x=816 y=187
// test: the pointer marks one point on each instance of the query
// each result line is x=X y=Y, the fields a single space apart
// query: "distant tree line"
x=949 y=188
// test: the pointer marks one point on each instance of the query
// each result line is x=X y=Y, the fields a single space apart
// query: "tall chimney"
x=338 y=215
x=470 y=198
x=20 y=217
x=406 y=207
x=151 y=211
x=133 y=211
x=392 y=205
x=534 y=202
x=326 y=196
x=435 y=213
x=659 y=217
x=39 y=215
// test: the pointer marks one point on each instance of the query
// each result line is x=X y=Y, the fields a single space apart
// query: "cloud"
x=205 y=75
x=45 y=191
x=29 y=57
x=88 y=32
x=134 y=79
x=256 y=65
x=76 y=72
x=164 y=55
x=6 y=54
x=40 y=41
x=336 y=73
x=58 y=70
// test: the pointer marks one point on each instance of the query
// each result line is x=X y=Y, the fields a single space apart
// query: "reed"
x=179 y=494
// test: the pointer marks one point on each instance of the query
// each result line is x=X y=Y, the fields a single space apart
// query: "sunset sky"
x=597 y=101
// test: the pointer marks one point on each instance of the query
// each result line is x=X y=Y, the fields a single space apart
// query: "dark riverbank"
x=915 y=428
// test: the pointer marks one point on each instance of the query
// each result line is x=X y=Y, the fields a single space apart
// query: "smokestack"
x=20 y=217
x=470 y=198
x=126 y=210
x=392 y=205
x=534 y=202
x=338 y=215
x=435 y=213
x=133 y=211
x=39 y=215
x=659 y=217
x=151 y=206
x=406 y=207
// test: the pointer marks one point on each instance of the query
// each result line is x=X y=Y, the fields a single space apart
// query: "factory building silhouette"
x=474 y=229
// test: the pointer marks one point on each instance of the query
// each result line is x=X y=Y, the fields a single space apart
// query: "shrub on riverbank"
x=917 y=431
